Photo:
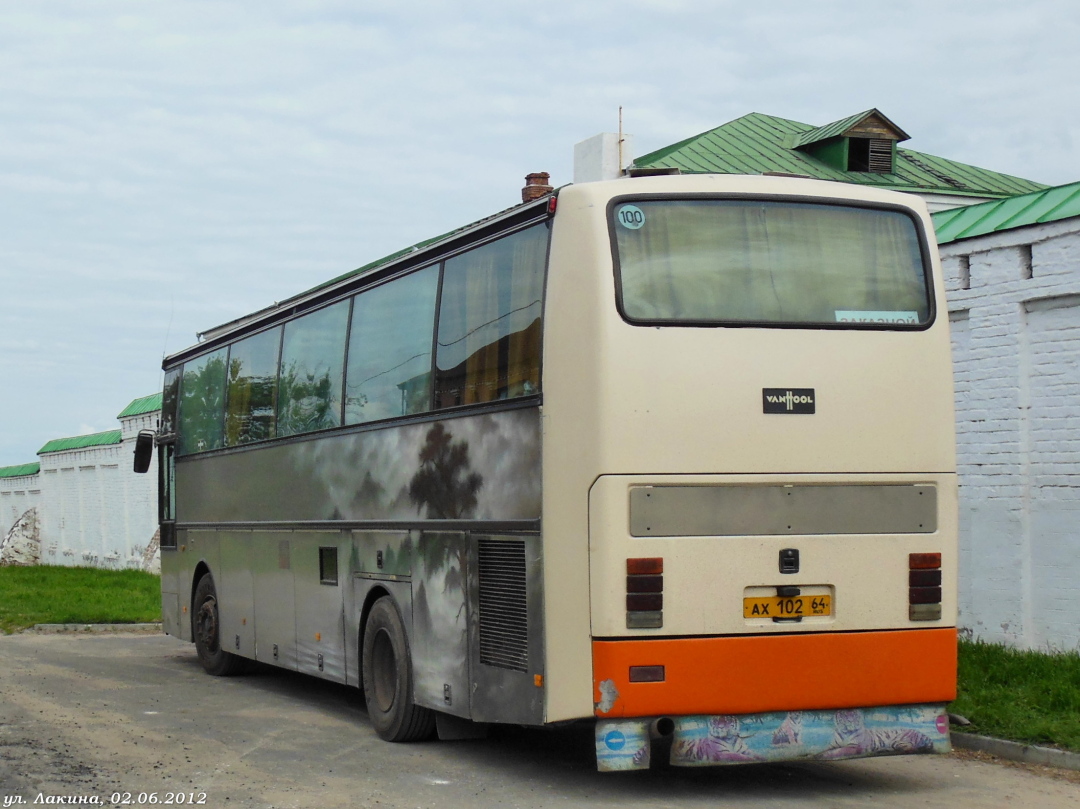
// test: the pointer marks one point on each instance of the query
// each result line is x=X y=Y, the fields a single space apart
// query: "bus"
x=670 y=454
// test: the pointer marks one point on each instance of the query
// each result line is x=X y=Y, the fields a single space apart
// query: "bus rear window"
x=723 y=261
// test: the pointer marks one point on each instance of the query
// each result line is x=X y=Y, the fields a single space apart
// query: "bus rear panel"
x=761 y=417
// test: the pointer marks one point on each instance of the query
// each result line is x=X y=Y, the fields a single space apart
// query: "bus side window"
x=389 y=371
x=169 y=402
x=312 y=371
x=253 y=367
x=202 y=403
x=167 y=489
x=489 y=321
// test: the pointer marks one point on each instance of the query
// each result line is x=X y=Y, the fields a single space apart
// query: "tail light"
x=924 y=586
x=645 y=593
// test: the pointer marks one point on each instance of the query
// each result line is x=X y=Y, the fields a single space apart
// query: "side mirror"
x=144 y=449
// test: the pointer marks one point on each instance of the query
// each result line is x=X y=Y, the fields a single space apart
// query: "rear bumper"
x=702 y=741
x=761 y=673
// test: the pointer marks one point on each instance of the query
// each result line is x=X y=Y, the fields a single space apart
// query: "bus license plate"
x=787 y=606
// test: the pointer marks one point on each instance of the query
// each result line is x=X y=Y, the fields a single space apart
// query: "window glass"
x=489 y=321
x=169 y=399
x=253 y=367
x=312 y=365
x=167 y=495
x=756 y=261
x=389 y=370
x=202 y=403
x=328 y=567
x=167 y=482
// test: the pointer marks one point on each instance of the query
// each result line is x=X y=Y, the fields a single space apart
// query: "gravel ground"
x=85 y=715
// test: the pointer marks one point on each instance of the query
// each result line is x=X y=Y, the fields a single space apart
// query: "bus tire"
x=388 y=680
x=206 y=629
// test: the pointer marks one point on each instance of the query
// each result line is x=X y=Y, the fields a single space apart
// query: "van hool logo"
x=787 y=400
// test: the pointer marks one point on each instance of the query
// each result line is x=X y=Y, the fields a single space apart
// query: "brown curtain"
x=489 y=326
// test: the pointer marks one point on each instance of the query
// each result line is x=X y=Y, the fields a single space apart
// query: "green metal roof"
x=20 y=471
x=139 y=407
x=82 y=442
x=837 y=128
x=757 y=143
x=1061 y=202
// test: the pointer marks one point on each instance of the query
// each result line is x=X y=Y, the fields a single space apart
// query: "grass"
x=1022 y=696
x=48 y=594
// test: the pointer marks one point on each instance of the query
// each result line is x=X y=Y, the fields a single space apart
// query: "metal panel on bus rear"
x=506 y=628
x=170 y=614
x=171 y=588
x=440 y=624
x=236 y=598
x=319 y=605
x=707 y=576
x=760 y=509
x=274 y=599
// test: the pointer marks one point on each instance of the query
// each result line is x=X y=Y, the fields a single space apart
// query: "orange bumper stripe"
x=753 y=674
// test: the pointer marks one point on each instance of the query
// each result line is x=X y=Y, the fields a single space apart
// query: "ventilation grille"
x=880 y=155
x=504 y=629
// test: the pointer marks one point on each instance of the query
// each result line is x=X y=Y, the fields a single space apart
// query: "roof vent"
x=881 y=156
x=536 y=186
x=870 y=154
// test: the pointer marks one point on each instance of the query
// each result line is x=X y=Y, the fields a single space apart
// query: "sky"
x=166 y=167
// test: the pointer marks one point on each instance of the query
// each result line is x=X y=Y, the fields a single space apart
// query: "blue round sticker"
x=631 y=216
x=615 y=740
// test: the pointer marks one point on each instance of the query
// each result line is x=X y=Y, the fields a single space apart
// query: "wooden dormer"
x=865 y=142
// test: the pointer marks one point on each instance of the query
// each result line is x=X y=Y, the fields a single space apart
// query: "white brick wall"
x=1014 y=301
x=93 y=510
x=17 y=496
x=138 y=519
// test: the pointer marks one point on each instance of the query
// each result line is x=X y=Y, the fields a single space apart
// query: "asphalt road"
x=92 y=716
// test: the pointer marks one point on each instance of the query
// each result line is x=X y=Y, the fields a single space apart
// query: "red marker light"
x=924 y=561
x=638 y=567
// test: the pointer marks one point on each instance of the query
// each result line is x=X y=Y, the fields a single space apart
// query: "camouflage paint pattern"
x=480 y=467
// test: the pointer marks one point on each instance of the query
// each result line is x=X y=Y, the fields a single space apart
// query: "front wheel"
x=388 y=682
x=206 y=626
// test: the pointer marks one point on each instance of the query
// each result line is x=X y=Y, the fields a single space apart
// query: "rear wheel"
x=388 y=681
x=206 y=626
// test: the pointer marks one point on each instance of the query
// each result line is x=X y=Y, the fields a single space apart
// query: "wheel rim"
x=384 y=669
x=206 y=625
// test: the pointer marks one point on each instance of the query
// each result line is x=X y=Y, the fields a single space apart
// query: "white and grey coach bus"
x=670 y=454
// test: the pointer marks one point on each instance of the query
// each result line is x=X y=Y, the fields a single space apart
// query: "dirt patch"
x=33 y=761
